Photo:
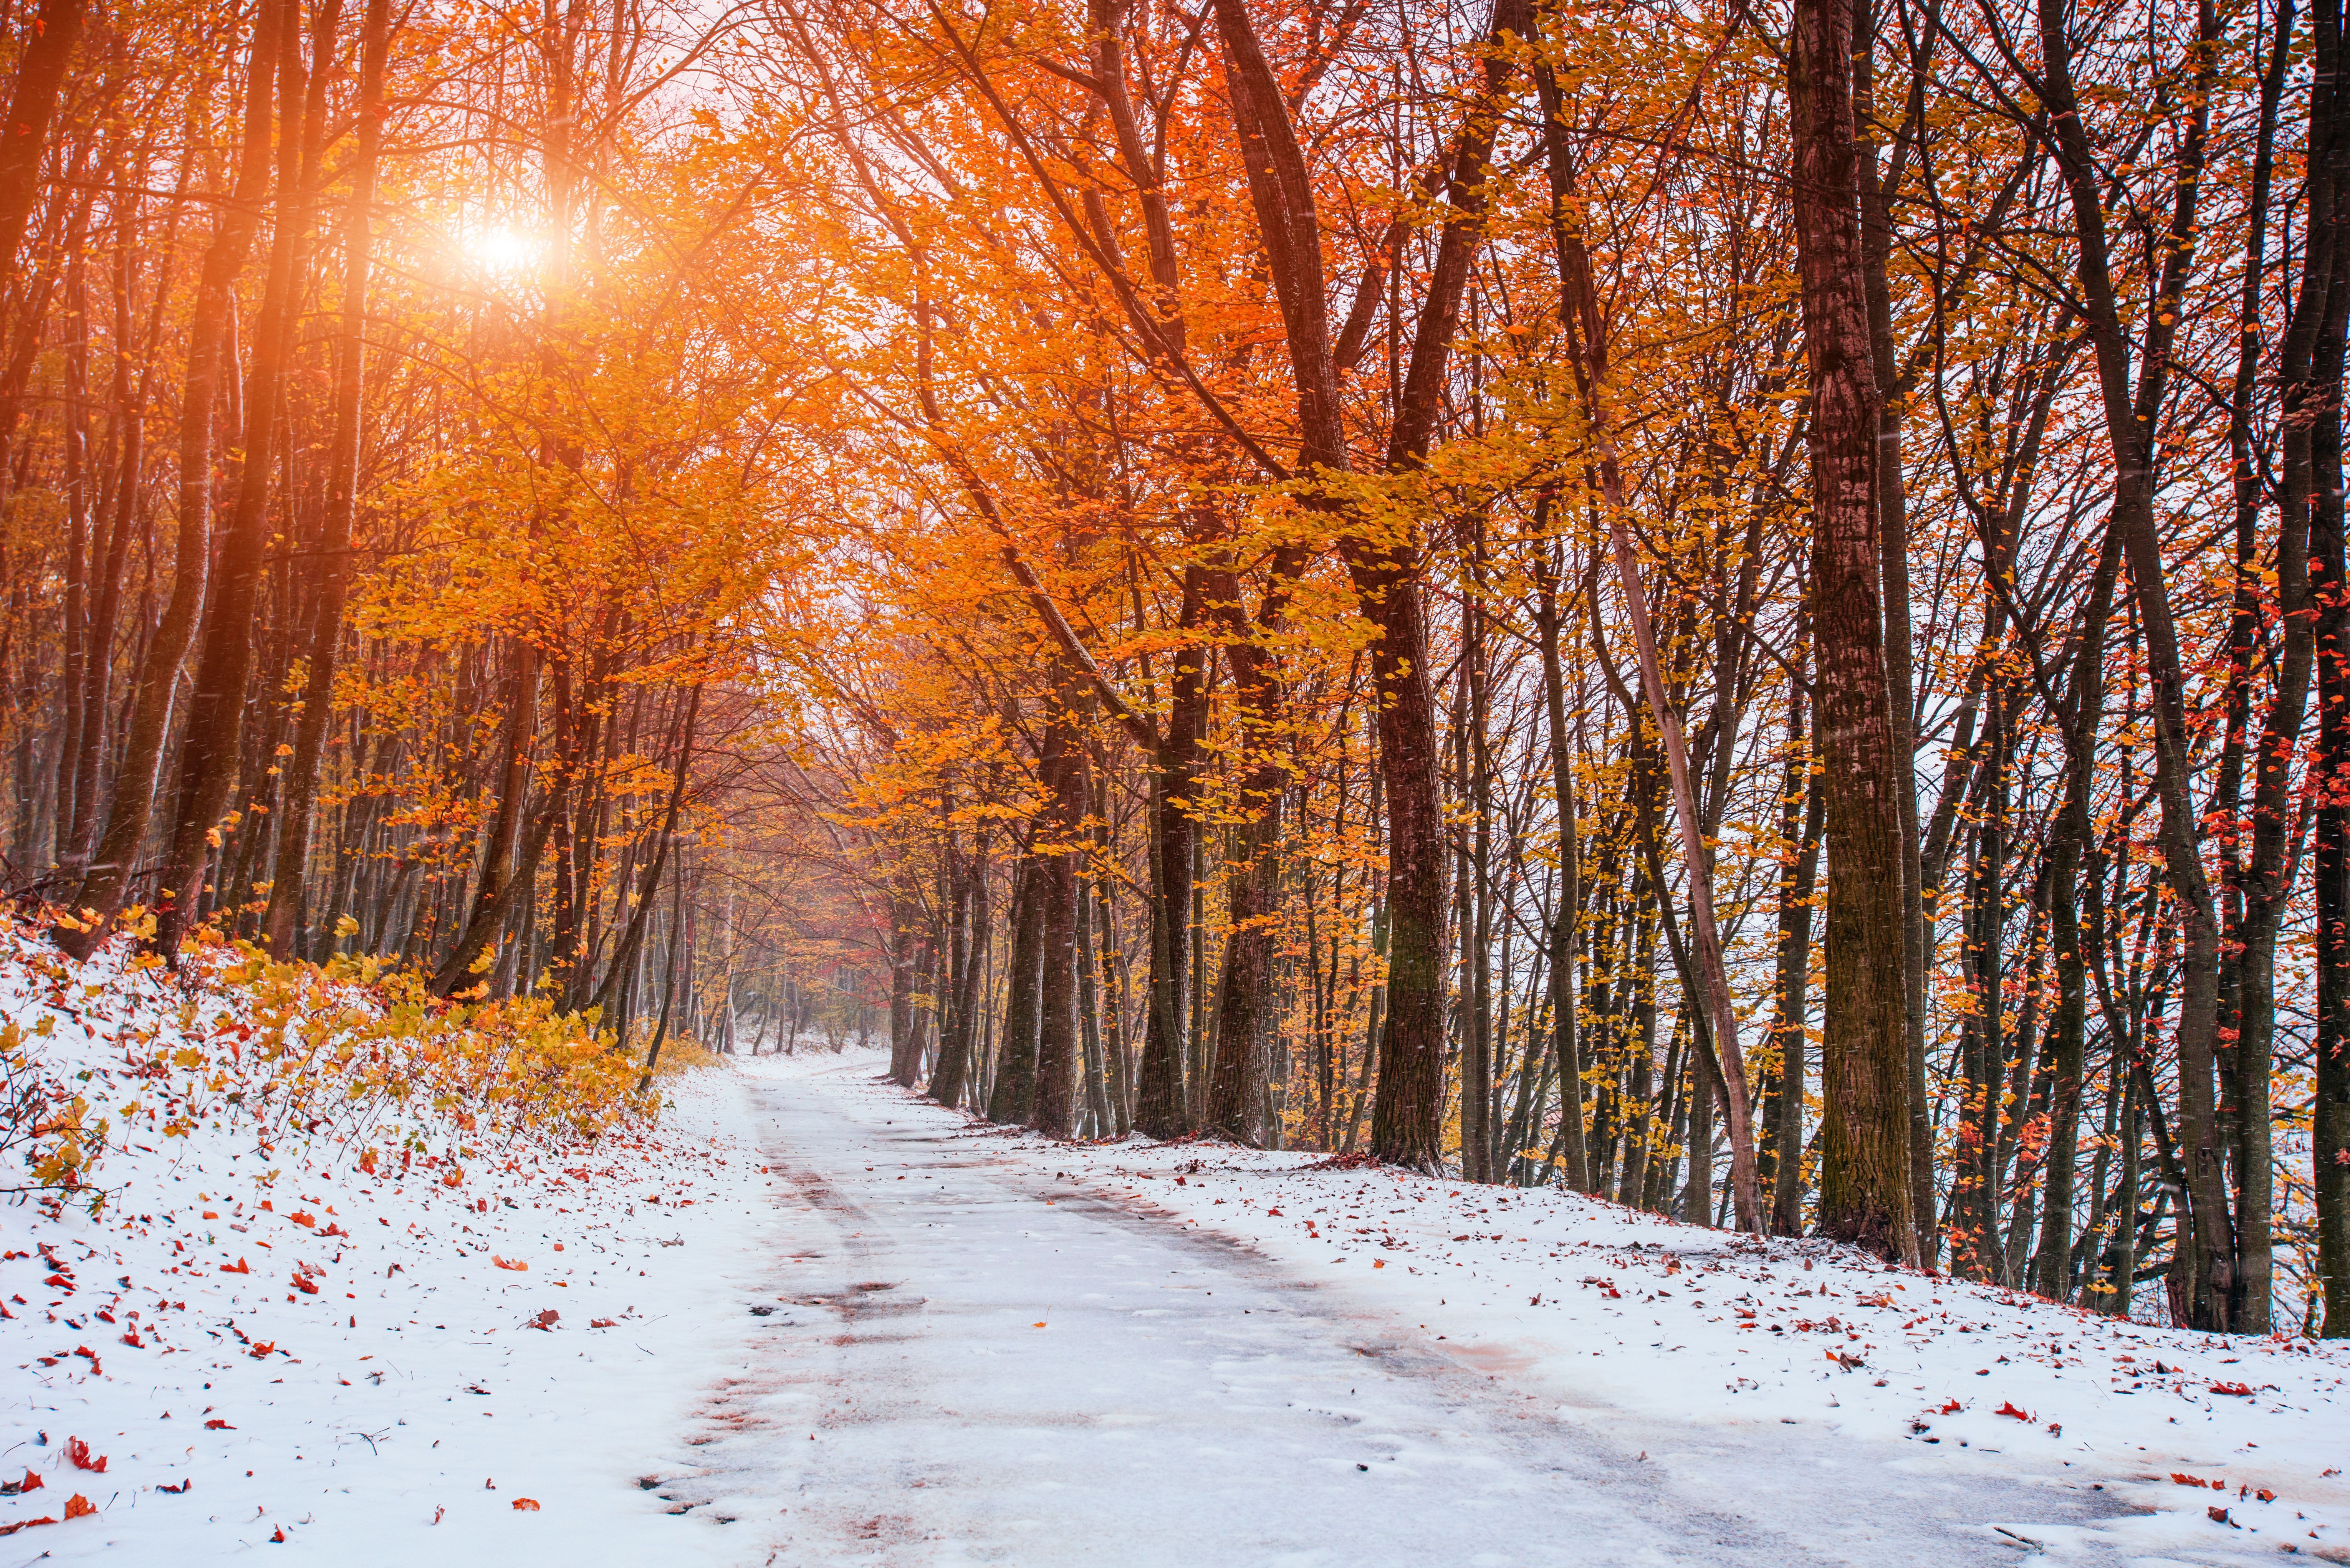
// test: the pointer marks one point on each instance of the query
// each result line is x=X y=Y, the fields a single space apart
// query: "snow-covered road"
x=974 y=1360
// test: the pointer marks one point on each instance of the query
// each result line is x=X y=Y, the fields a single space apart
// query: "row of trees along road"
x=1737 y=608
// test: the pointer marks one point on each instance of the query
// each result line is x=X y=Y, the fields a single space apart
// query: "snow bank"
x=2234 y=1446
x=257 y=1342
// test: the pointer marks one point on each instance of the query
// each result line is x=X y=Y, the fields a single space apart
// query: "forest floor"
x=813 y=1319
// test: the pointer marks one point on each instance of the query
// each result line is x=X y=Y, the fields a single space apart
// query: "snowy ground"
x=811 y=1319
x=270 y=1347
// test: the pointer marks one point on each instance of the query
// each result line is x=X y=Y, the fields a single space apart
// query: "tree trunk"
x=2319 y=401
x=1057 y=1007
x=1161 y=1105
x=1564 y=999
x=1237 y=1082
x=2129 y=413
x=32 y=104
x=1865 y=1196
x=1407 y=1121
x=1011 y=1097
x=905 y=1036
x=105 y=886
x=282 y=923
x=1802 y=804
x=210 y=752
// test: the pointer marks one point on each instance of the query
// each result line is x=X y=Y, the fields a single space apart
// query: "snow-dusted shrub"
x=351 y=1055
x=355 y=1063
x=46 y=1128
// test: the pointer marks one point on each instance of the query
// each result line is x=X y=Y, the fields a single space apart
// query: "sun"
x=504 y=251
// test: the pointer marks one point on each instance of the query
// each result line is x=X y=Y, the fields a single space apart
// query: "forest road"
x=968 y=1361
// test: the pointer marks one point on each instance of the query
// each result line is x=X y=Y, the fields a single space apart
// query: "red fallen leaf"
x=509 y=1264
x=2195 y=1480
x=602 y=1322
x=2219 y=1516
x=133 y=1341
x=58 y=1282
x=525 y=1505
x=183 y=1486
x=78 y=1455
x=1952 y=1409
x=262 y=1347
x=547 y=1320
x=2237 y=1390
x=298 y=1218
x=2007 y=1407
x=217 y=1425
x=2265 y=1495
x=306 y=1285
x=278 y=1535
x=239 y=1267
x=1273 y=1213
x=31 y=1483
x=80 y=1507
x=24 y=1525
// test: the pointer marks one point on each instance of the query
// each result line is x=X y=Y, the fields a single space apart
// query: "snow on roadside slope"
x=1621 y=1313
x=404 y=1366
